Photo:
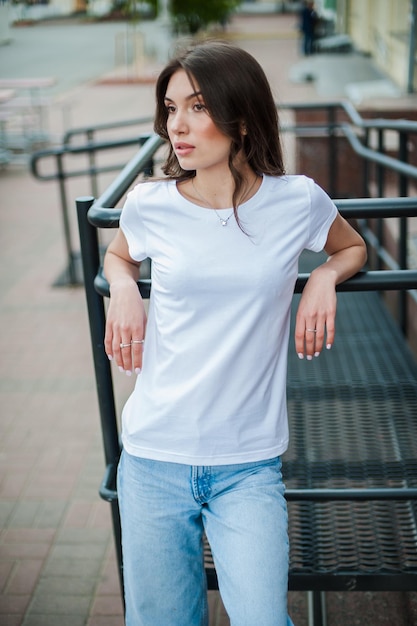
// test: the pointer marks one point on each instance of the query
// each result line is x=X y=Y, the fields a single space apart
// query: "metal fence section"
x=54 y=164
x=368 y=139
x=351 y=469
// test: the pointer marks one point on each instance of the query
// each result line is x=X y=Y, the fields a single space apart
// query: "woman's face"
x=196 y=140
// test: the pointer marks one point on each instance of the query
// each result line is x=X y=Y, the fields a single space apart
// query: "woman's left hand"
x=315 y=320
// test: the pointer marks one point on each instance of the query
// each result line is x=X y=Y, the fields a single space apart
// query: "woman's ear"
x=243 y=129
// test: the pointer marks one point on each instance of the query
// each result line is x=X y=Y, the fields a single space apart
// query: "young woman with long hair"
x=206 y=424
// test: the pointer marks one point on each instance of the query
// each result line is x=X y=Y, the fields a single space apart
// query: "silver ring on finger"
x=138 y=341
x=125 y=345
x=311 y=330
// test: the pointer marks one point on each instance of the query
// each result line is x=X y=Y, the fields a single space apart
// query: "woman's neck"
x=217 y=192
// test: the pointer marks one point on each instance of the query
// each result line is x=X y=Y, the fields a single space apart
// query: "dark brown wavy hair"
x=236 y=93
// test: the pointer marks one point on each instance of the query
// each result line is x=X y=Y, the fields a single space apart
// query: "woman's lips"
x=182 y=149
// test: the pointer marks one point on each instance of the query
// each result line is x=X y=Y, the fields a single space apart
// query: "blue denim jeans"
x=165 y=509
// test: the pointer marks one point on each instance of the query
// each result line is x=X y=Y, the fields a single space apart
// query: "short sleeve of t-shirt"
x=322 y=215
x=132 y=225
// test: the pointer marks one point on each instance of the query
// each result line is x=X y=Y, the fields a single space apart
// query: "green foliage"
x=195 y=15
x=135 y=9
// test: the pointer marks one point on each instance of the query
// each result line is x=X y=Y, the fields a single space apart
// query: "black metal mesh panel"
x=353 y=424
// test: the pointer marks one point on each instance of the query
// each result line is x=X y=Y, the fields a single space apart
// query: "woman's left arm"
x=315 y=320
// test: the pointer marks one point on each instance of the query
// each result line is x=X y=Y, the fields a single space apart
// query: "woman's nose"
x=178 y=123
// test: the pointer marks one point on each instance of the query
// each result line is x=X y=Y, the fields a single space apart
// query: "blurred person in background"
x=308 y=24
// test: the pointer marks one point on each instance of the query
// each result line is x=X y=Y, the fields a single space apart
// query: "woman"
x=204 y=429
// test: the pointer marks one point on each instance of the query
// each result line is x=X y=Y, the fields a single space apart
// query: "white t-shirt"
x=212 y=390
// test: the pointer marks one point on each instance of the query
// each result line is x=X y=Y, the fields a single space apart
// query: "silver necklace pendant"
x=223 y=221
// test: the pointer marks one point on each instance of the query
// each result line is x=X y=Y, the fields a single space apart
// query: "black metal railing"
x=367 y=138
x=97 y=214
x=56 y=164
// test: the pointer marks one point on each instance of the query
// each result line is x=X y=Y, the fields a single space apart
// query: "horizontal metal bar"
x=352 y=113
x=102 y=286
x=357 y=120
x=109 y=492
x=104 y=218
x=341 y=579
x=108 y=126
x=378 y=280
x=41 y=155
x=377 y=207
x=375 y=280
x=87 y=171
x=366 y=493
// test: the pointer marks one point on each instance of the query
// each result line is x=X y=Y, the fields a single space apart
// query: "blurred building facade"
x=384 y=29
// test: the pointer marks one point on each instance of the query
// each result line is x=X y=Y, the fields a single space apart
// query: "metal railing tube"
x=368 y=493
x=403 y=157
x=332 y=153
x=383 y=207
x=403 y=192
x=355 y=117
x=105 y=145
x=91 y=263
x=371 y=155
x=92 y=163
x=60 y=174
x=352 y=113
x=72 y=275
x=380 y=174
x=103 y=127
x=130 y=172
x=366 y=164
x=104 y=385
x=378 y=280
x=403 y=235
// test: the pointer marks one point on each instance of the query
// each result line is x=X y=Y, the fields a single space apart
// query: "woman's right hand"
x=125 y=326
x=126 y=315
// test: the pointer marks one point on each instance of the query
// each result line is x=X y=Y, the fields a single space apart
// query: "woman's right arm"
x=126 y=316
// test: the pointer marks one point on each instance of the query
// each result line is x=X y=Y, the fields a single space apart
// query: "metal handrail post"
x=92 y=163
x=72 y=275
x=380 y=167
x=333 y=163
x=365 y=183
x=96 y=314
x=403 y=236
x=91 y=263
x=380 y=172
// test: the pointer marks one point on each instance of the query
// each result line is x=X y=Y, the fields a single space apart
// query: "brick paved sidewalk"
x=57 y=562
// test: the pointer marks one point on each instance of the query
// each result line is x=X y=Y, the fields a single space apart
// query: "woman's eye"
x=199 y=106
x=170 y=108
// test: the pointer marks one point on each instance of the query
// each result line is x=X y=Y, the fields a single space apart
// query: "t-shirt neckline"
x=248 y=203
